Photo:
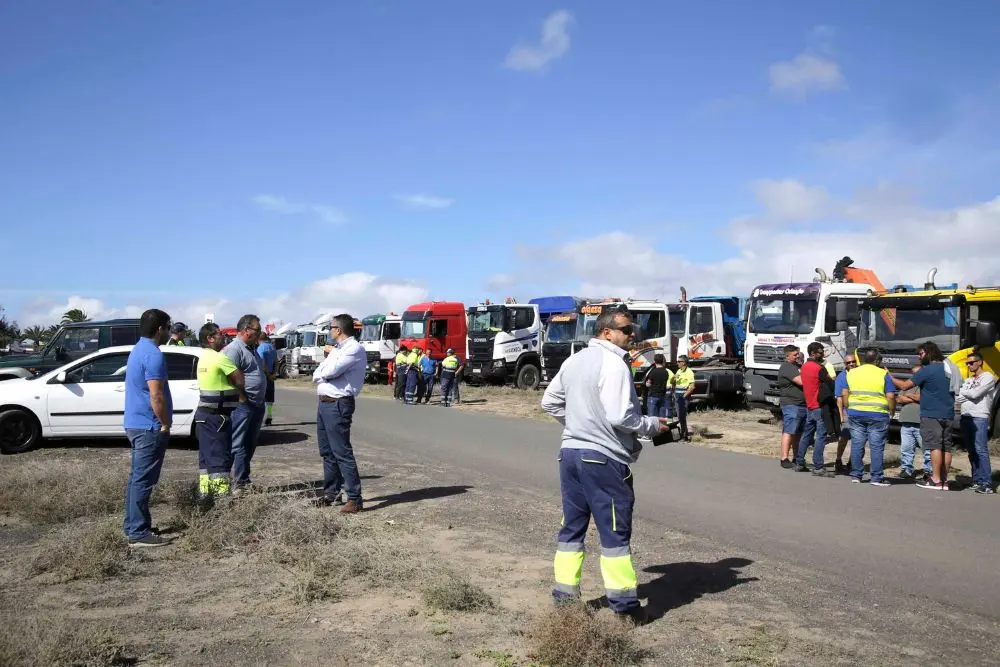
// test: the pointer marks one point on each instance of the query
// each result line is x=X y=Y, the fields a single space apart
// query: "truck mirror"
x=841 y=325
x=840 y=311
x=986 y=334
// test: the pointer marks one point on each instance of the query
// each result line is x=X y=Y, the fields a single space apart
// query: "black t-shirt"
x=658 y=381
x=791 y=393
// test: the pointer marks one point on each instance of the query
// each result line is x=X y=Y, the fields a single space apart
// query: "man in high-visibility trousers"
x=683 y=384
x=594 y=398
x=220 y=388
x=400 y=371
x=412 y=375
x=448 y=369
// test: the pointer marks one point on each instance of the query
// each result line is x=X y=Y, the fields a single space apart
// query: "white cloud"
x=791 y=200
x=357 y=293
x=278 y=204
x=499 y=282
x=884 y=232
x=806 y=73
x=553 y=44
x=422 y=202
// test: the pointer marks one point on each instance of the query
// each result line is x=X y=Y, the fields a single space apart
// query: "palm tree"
x=74 y=315
x=36 y=334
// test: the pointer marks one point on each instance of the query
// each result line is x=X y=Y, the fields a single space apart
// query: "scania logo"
x=480 y=340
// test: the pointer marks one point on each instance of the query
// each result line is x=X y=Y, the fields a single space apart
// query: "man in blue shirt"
x=148 y=417
x=850 y=362
x=428 y=367
x=269 y=356
x=937 y=412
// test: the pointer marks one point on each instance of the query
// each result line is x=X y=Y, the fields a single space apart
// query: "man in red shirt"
x=814 y=433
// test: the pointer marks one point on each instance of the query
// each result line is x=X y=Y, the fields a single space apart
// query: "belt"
x=215 y=410
x=331 y=399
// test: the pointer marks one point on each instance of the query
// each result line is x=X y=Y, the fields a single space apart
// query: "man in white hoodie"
x=976 y=400
x=593 y=397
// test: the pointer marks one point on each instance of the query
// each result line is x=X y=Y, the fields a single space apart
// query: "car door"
x=92 y=399
x=182 y=377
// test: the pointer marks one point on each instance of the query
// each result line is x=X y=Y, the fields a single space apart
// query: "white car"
x=86 y=398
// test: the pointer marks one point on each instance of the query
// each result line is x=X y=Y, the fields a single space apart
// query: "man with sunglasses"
x=248 y=416
x=594 y=398
x=975 y=399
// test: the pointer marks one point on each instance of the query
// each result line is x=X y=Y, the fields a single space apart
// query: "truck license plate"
x=477 y=370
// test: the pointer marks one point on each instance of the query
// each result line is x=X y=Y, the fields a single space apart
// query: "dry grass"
x=92 y=551
x=58 y=491
x=758 y=646
x=455 y=594
x=59 y=641
x=571 y=635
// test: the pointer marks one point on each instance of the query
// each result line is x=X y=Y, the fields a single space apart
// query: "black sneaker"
x=929 y=483
x=907 y=475
x=786 y=464
x=985 y=490
x=822 y=472
x=839 y=468
x=324 y=501
x=801 y=467
x=879 y=482
x=150 y=540
x=267 y=422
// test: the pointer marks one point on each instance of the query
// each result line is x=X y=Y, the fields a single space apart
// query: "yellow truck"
x=957 y=319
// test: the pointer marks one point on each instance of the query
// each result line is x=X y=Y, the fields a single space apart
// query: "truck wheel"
x=528 y=377
x=19 y=431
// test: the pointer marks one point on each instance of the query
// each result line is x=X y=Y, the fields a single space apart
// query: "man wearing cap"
x=449 y=367
x=177 y=331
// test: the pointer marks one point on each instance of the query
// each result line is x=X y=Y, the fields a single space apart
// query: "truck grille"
x=766 y=354
x=372 y=356
x=481 y=350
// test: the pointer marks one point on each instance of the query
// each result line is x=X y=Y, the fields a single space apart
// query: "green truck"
x=71 y=342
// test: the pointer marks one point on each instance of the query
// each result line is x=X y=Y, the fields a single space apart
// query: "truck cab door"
x=705 y=333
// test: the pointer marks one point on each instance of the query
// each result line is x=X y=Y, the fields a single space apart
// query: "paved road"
x=902 y=539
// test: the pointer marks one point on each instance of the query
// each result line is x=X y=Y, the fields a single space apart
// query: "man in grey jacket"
x=976 y=400
x=594 y=398
x=248 y=417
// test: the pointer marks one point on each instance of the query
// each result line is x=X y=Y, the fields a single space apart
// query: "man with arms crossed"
x=248 y=417
x=594 y=398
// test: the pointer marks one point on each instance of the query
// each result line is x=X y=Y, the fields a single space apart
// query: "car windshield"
x=308 y=338
x=560 y=332
x=485 y=320
x=778 y=315
x=371 y=332
x=677 y=323
x=414 y=328
x=895 y=329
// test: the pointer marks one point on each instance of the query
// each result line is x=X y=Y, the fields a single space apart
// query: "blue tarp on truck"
x=553 y=305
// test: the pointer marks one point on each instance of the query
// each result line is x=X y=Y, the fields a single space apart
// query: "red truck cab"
x=435 y=326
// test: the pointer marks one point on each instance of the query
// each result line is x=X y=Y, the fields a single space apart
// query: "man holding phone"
x=594 y=398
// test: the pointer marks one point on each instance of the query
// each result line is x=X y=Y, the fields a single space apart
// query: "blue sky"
x=229 y=155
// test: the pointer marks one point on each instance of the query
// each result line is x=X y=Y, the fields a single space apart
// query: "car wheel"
x=528 y=377
x=19 y=431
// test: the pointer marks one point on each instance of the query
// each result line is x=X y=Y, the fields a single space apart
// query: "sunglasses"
x=628 y=329
x=973 y=362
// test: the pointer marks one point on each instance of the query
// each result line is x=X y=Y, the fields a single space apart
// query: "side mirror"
x=840 y=310
x=841 y=325
x=61 y=377
x=986 y=334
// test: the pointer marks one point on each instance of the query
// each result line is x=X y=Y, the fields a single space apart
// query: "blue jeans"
x=873 y=430
x=656 y=406
x=428 y=386
x=333 y=433
x=813 y=434
x=793 y=418
x=247 y=420
x=909 y=440
x=975 y=434
x=148 y=450
x=682 y=410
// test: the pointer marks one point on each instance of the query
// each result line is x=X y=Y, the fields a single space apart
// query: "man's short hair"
x=152 y=321
x=247 y=322
x=974 y=356
x=683 y=358
x=403 y=348
x=606 y=320
x=345 y=323
x=659 y=359
x=814 y=347
x=870 y=355
x=791 y=348
x=208 y=329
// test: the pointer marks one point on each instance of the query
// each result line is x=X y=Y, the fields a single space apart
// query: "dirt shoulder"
x=445 y=566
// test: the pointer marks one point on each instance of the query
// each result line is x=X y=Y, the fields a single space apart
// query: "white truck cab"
x=824 y=311
x=504 y=344
x=311 y=339
x=650 y=318
x=380 y=338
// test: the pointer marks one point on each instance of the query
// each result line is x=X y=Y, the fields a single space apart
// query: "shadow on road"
x=416 y=495
x=269 y=437
x=681 y=584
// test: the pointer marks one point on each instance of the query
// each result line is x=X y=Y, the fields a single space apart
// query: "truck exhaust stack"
x=930 y=278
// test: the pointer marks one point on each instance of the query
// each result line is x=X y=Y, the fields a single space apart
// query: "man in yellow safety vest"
x=870 y=399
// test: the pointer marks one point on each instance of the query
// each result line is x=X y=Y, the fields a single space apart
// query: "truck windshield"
x=414 y=329
x=677 y=318
x=787 y=316
x=371 y=332
x=485 y=320
x=308 y=338
x=895 y=329
x=560 y=332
